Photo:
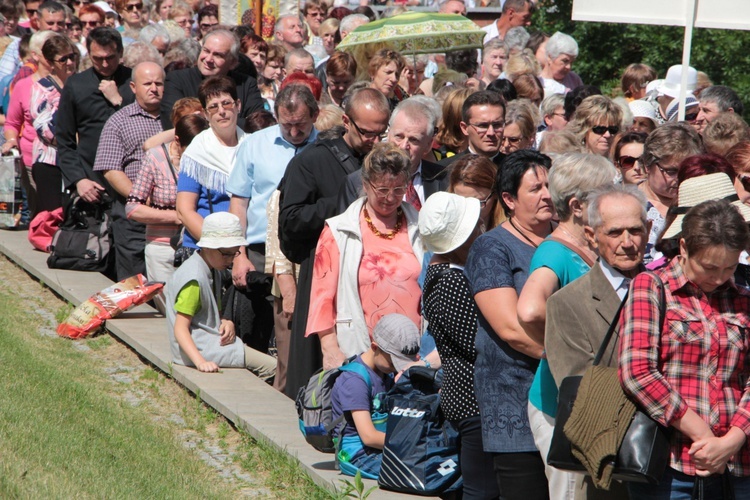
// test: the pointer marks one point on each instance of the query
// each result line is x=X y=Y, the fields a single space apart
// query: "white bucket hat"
x=642 y=109
x=673 y=81
x=447 y=220
x=696 y=190
x=221 y=230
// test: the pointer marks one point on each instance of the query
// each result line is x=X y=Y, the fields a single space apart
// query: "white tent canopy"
x=722 y=14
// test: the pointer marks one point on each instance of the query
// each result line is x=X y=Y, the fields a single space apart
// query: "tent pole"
x=686 y=48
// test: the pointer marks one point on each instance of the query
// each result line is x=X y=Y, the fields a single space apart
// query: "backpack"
x=82 y=243
x=314 y=409
x=421 y=447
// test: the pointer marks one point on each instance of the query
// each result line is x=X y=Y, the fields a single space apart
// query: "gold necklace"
x=385 y=236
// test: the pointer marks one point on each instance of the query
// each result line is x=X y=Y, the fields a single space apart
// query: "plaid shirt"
x=699 y=361
x=121 y=142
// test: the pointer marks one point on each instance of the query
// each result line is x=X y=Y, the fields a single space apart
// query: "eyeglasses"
x=93 y=24
x=31 y=12
x=367 y=134
x=207 y=26
x=561 y=115
x=483 y=203
x=315 y=14
x=601 y=129
x=229 y=254
x=628 y=162
x=513 y=141
x=134 y=7
x=667 y=172
x=483 y=128
x=213 y=108
x=64 y=59
x=384 y=192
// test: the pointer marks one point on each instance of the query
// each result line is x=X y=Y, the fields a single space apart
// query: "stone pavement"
x=236 y=393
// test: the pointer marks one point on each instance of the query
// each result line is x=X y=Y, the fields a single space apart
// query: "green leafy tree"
x=605 y=49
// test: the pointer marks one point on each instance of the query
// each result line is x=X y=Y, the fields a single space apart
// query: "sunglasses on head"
x=628 y=162
x=601 y=129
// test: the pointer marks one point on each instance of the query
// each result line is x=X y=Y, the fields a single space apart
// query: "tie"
x=411 y=196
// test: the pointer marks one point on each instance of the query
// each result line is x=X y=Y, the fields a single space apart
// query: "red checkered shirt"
x=700 y=360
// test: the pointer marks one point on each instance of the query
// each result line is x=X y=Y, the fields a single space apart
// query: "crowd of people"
x=499 y=205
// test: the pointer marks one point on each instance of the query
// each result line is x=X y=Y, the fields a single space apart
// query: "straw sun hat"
x=695 y=191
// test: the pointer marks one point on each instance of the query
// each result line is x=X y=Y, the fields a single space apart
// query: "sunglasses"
x=213 y=108
x=64 y=59
x=628 y=162
x=134 y=7
x=93 y=24
x=745 y=181
x=691 y=117
x=601 y=129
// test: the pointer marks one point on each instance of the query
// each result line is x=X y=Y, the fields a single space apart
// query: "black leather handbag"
x=644 y=453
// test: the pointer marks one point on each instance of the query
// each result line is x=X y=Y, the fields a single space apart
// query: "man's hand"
x=109 y=89
x=240 y=267
x=89 y=190
x=208 y=367
x=227 y=332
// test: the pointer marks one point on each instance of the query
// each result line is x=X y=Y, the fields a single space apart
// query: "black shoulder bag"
x=644 y=453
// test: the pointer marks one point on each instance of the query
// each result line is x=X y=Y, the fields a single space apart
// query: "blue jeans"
x=675 y=485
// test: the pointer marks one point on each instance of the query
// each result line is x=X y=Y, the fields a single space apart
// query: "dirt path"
x=195 y=426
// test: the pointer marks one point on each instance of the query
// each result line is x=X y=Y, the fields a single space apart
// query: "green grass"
x=62 y=435
x=281 y=470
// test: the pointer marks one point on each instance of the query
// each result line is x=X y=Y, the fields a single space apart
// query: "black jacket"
x=185 y=82
x=81 y=116
x=434 y=179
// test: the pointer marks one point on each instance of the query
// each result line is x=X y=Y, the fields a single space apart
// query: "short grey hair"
x=418 y=108
x=493 y=44
x=37 y=40
x=350 y=22
x=551 y=103
x=138 y=52
x=280 y=21
x=234 y=50
x=150 y=32
x=597 y=197
x=516 y=39
x=724 y=97
x=575 y=175
x=299 y=53
x=560 y=43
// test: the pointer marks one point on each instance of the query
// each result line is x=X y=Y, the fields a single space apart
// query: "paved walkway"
x=237 y=394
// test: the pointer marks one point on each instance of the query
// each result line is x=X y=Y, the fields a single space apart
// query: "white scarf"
x=209 y=162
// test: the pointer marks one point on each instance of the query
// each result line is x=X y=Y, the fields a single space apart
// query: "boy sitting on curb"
x=360 y=442
x=198 y=335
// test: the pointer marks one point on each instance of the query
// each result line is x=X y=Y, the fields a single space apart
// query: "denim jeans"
x=675 y=485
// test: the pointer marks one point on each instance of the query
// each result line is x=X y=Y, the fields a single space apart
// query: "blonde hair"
x=522 y=63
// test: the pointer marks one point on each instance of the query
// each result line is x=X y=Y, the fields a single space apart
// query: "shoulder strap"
x=616 y=319
x=567 y=245
x=345 y=158
x=429 y=286
x=169 y=162
x=360 y=370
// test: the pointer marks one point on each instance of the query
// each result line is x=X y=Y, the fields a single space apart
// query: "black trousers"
x=520 y=476
x=477 y=466
x=130 y=243
x=49 y=186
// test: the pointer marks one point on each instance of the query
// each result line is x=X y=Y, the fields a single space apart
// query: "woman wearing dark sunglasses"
x=596 y=122
x=626 y=155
